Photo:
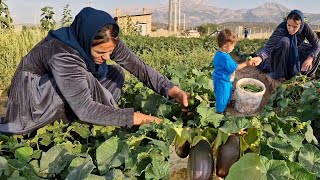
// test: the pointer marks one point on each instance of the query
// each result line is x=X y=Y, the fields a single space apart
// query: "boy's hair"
x=226 y=36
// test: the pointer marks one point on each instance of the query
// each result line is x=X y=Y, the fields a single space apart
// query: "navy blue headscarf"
x=81 y=33
x=294 y=62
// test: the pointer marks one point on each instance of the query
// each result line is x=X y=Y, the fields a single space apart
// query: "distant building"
x=141 y=21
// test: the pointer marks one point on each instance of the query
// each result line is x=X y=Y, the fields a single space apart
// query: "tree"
x=5 y=18
x=129 y=28
x=47 y=21
x=206 y=29
x=66 y=16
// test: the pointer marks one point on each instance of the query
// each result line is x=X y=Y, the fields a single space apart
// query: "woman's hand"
x=307 y=64
x=180 y=96
x=256 y=60
x=139 y=119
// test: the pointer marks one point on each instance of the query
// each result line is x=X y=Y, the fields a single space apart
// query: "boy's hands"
x=249 y=63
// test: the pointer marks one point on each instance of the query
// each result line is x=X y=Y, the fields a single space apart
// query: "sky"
x=29 y=11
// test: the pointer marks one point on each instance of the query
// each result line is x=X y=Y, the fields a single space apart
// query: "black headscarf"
x=81 y=33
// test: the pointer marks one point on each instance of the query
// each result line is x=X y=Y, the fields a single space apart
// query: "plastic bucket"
x=245 y=101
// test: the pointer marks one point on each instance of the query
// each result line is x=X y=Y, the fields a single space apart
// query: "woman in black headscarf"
x=66 y=76
x=286 y=54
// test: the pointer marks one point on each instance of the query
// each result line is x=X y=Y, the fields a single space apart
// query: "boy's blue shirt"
x=224 y=66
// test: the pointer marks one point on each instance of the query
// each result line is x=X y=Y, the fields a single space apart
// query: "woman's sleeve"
x=313 y=40
x=274 y=39
x=70 y=76
x=146 y=74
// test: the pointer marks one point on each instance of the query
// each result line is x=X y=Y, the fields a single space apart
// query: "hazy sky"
x=28 y=11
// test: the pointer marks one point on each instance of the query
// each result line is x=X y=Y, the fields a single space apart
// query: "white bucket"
x=248 y=102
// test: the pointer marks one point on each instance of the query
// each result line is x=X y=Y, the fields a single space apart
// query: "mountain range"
x=201 y=11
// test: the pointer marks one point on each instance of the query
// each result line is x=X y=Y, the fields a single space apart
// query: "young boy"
x=224 y=69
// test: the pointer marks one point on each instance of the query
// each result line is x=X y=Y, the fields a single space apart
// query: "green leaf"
x=111 y=153
x=143 y=160
x=54 y=160
x=247 y=167
x=134 y=141
x=82 y=171
x=309 y=158
x=158 y=170
x=196 y=139
x=268 y=128
x=300 y=173
x=251 y=136
x=208 y=115
x=36 y=154
x=162 y=146
x=164 y=110
x=16 y=176
x=235 y=125
x=280 y=144
x=46 y=139
x=4 y=167
x=95 y=177
x=115 y=174
x=309 y=135
x=24 y=153
x=81 y=129
x=284 y=103
x=274 y=169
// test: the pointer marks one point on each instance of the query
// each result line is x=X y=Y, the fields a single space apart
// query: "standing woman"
x=286 y=54
x=66 y=76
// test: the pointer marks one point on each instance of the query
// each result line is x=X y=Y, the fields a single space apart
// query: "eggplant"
x=182 y=147
x=228 y=154
x=200 y=162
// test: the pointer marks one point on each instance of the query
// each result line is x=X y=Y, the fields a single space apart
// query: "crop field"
x=280 y=141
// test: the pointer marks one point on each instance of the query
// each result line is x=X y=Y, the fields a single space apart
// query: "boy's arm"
x=244 y=64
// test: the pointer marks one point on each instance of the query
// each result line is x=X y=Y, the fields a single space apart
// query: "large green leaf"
x=280 y=144
x=111 y=153
x=309 y=158
x=82 y=171
x=274 y=169
x=300 y=173
x=81 y=129
x=234 y=125
x=54 y=161
x=208 y=115
x=247 y=167
x=24 y=153
x=4 y=167
x=309 y=135
x=159 y=169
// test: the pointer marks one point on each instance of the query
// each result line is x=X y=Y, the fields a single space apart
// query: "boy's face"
x=228 y=47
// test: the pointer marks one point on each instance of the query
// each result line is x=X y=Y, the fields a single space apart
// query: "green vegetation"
x=251 y=88
x=66 y=16
x=47 y=20
x=5 y=18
